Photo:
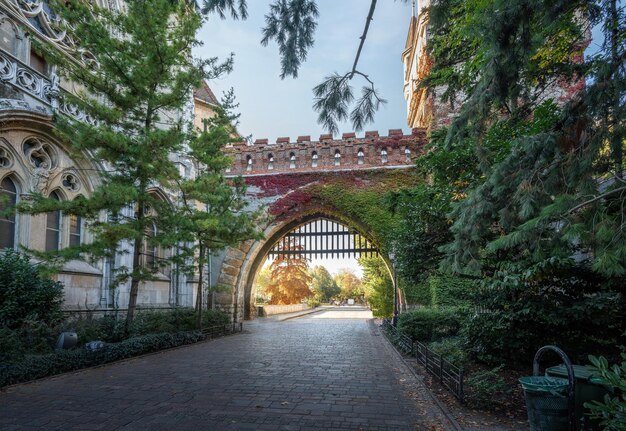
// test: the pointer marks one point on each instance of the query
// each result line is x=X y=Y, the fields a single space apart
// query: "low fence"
x=449 y=375
x=222 y=330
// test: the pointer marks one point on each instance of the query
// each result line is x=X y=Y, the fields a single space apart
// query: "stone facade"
x=33 y=160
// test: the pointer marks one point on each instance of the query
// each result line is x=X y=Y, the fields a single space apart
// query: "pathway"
x=331 y=370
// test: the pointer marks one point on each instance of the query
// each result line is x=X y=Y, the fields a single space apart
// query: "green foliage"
x=451 y=291
x=452 y=349
x=563 y=305
x=612 y=410
x=418 y=293
x=323 y=285
x=26 y=296
x=484 y=388
x=350 y=285
x=431 y=324
x=313 y=302
x=91 y=328
x=35 y=367
x=377 y=286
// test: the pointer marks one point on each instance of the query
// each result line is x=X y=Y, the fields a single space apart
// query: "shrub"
x=89 y=328
x=612 y=410
x=451 y=291
x=313 y=302
x=519 y=321
x=431 y=324
x=155 y=322
x=452 y=349
x=485 y=388
x=214 y=318
x=25 y=296
x=35 y=367
x=418 y=293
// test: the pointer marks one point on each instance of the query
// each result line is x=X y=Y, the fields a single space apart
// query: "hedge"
x=37 y=366
x=451 y=291
x=431 y=324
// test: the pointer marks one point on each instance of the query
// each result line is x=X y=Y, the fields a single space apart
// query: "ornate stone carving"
x=71 y=182
x=6 y=161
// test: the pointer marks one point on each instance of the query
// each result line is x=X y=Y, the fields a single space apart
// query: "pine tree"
x=212 y=215
x=136 y=87
x=553 y=170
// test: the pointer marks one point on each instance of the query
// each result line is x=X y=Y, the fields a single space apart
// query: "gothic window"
x=407 y=154
x=292 y=160
x=150 y=248
x=53 y=227
x=314 y=159
x=76 y=229
x=9 y=38
x=8 y=192
x=248 y=163
x=38 y=63
x=270 y=162
x=360 y=156
x=383 y=156
x=337 y=158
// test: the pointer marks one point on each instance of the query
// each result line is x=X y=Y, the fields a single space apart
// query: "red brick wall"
x=372 y=145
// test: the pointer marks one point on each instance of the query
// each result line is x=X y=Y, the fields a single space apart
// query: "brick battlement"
x=327 y=154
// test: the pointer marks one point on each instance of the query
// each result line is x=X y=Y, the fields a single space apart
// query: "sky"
x=271 y=107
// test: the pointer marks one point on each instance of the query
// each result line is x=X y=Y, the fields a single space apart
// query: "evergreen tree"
x=553 y=170
x=212 y=215
x=141 y=77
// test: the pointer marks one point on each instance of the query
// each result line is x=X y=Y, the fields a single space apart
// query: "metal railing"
x=447 y=374
x=222 y=330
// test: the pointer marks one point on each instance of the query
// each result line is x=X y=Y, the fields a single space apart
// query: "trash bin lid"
x=547 y=384
x=581 y=372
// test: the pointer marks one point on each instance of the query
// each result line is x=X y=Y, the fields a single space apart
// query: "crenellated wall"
x=349 y=153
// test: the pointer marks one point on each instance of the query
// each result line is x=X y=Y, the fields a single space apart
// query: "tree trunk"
x=134 y=284
x=200 y=281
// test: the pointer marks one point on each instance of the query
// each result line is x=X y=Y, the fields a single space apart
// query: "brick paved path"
x=315 y=372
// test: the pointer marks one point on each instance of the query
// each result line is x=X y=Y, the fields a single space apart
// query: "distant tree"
x=323 y=285
x=290 y=279
x=377 y=285
x=349 y=284
x=262 y=281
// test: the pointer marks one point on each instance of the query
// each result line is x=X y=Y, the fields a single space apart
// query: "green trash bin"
x=588 y=388
x=546 y=402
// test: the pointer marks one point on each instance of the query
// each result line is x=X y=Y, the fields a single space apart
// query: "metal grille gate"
x=322 y=238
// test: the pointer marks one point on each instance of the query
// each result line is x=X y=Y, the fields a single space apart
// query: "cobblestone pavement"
x=322 y=371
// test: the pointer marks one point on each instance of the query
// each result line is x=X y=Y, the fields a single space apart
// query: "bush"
x=313 y=302
x=431 y=324
x=485 y=388
x=214 y=318
x=451 y=291
x=25 y=296
x=612 y=410
x=521 y=319
x=155 y=322
x=89 y=328
x=35 y=367
x=452 y=349
x=418 y=293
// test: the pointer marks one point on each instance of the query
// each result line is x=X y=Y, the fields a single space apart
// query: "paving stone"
x=316 y=372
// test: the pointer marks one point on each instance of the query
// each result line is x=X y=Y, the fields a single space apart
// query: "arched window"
x=407 y=154
x=53 y=226
x=337 y=158
x=314 y=159
x=270 y=162
x=360 y=156
x=8 y=192
x=292 y=160
x=150 y=248
x=76 y=229
x=9 y=38
x=383 y=155
x=248 y=163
